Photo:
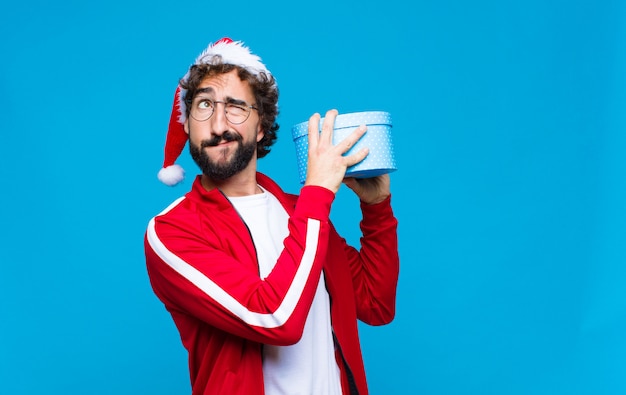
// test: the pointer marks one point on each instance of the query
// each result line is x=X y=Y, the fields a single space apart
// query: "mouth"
x=223 y=148
x=222 y=140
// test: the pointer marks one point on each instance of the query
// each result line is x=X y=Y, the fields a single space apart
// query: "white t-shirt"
x=309 y=366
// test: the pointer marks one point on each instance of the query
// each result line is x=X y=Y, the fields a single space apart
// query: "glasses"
x=236 y=113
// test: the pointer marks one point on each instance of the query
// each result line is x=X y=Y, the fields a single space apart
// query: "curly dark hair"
x=263 y=87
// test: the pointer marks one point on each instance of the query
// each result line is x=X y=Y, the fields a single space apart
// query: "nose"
x=220 y=123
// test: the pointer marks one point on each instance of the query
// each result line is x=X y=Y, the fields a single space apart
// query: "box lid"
x=348 y=120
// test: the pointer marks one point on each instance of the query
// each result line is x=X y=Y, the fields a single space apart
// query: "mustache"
x=215 y=140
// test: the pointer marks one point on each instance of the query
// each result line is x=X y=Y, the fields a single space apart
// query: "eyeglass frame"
x=231 y=102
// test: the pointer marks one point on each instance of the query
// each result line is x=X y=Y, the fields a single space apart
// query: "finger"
x=313 y=127
x=352 y=138
x=357 y=157
x=328 y=126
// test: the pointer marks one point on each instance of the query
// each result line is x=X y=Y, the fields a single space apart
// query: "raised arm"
x=211 y=274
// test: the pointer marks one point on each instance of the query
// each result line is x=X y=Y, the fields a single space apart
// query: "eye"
x=236 y=109
x=204 y=104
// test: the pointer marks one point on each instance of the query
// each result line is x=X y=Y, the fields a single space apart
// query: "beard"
x=222 y=171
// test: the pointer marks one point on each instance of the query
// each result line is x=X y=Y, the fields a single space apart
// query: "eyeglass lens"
x=202 y=109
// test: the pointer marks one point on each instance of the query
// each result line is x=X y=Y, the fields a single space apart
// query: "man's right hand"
x=326 y=166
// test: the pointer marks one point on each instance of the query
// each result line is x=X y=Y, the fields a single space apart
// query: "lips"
x=225 y=138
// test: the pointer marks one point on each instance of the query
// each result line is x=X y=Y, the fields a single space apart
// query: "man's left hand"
x=370 y=190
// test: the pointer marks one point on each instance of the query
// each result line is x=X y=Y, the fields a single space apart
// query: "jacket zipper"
x=256 y=254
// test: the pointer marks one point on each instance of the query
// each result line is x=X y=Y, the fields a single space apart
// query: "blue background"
x=509 y=128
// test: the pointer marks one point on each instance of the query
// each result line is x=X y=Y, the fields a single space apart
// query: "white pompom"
x=171 y=175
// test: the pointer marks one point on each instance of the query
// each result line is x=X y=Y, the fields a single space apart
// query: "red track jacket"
x=202 y=265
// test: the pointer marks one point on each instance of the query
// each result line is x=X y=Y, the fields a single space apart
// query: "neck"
x=237 y=185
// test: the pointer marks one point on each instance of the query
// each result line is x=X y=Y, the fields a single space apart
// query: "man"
x=264 y=292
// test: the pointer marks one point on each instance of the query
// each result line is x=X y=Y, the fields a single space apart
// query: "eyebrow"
x=208 y=89
x=228 y=99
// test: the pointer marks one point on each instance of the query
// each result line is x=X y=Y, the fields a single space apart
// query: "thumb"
x=352 y=183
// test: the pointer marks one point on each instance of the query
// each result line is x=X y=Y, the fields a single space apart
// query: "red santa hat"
x=227 y=52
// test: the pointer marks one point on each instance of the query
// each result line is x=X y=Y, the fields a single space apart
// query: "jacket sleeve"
x=198 y=276
x=375 y=268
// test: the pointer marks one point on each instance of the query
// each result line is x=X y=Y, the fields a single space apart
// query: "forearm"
x=375 y=268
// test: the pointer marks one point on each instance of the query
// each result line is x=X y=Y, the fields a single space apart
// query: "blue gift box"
x=380 y=159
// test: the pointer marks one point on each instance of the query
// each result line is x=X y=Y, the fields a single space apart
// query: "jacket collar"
x=216 y=197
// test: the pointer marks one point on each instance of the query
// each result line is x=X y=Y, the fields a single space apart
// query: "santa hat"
x=227 y=52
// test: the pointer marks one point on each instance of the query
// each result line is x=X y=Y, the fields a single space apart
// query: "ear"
x=259 y=133
x=186 y=126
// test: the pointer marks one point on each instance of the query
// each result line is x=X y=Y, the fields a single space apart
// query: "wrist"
x=376 y=200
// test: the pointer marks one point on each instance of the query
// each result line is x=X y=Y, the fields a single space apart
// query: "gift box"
x=380 y=159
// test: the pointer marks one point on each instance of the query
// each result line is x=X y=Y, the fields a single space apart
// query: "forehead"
x=227 y=84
